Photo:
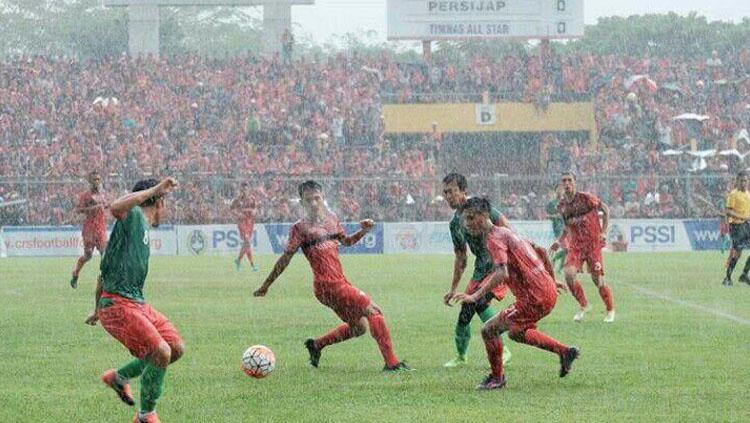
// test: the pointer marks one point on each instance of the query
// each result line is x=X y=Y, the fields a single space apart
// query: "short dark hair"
x=568 y=173
x=144 y=185
x=93 y=172
x=458 y=178
x=308 y=185
x=741 y=173
x=479 y=204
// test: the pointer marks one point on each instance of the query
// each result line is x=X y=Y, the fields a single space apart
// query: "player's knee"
x=87 y=255
x=570 y=274
x=177 y=350
x=358 y=329
x=161 y=355
x=490 y=331
x=516 y=335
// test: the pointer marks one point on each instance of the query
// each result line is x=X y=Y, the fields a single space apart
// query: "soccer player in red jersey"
x=319 y=235
x=91 y=203
x=528 y=274
x=584 y=237
x=244 y=207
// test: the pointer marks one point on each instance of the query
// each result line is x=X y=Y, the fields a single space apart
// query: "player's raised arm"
x=278 y=269
x=124 y=204
x=366 y=226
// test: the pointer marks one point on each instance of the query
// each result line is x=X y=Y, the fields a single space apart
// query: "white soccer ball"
x=258 y=361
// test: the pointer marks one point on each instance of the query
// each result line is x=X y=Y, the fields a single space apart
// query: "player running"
x=319 y=235
x=92 y=204
x=455 y=193
x=526 y=270
x=738 y=215
x=584 y=236
x=120 y=306
x=244 y=208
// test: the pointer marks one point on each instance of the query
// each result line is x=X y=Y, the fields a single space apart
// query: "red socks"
x=379 y=331
x=538 y=339
x=341 y=333
x=494 y=347
x=578 y=294
x=606 y=293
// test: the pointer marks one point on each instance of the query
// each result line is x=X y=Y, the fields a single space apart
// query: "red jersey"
x=95 y=220
x=320 y=244
x=581 y=216
x=246 y=206
x=528 y=280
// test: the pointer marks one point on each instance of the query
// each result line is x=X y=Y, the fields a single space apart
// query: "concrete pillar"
x=277 y=17
x=143 y=29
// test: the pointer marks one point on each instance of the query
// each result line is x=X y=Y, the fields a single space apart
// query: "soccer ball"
x=258 y=361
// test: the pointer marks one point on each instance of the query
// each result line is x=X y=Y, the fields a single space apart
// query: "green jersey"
x=558 y=225
x=125 y=263
x=482 y=262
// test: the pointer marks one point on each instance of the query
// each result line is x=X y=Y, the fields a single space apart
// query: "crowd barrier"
x=641 y=235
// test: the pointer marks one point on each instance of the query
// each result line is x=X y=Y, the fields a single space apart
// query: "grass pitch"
x=679 y=350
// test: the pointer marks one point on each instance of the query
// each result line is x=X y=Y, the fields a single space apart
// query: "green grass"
x=659 y=361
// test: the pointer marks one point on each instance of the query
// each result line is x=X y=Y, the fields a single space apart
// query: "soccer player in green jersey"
x=558 y=225
x=455 y=193
x=120 y=306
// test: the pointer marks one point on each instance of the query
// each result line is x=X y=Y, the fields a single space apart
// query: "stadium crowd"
x=214 y=123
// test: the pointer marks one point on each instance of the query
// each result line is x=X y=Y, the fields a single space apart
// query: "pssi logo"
x=407 y=238
x=197 y=242
x=652 y=234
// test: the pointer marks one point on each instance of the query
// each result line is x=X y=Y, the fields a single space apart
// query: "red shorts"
x=498 y=292
x=523 y=315
x=348 y=302
x=95 y=238
x=593 y=260
x=139 y=327
x=246 y=230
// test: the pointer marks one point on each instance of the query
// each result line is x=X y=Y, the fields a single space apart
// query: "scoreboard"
x=483 y=19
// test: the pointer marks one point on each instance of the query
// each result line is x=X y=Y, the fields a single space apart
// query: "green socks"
x=151 y=386
x=132 y=369
x=462 y=338
x=487 y=314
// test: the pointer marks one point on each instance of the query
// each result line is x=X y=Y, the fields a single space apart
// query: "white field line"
x=704 y=309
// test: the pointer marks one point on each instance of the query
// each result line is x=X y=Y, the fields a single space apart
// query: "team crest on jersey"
x=197 y=242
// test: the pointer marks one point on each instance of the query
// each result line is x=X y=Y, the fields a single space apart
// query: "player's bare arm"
x=605 y=217
x=278 y=269
x=556 y=245
x=93 y=317
x=459 y=266
x=366 y=226
x=501 y=273
x=124 y=204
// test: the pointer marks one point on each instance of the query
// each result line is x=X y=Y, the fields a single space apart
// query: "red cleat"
x=122 y=389
x=148 y=418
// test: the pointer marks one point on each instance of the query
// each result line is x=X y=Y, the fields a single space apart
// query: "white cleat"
x=582 y=312
x=610 y=317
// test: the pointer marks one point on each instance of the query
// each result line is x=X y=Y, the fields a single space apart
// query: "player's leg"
x=88 y=251
x=338 y=334
x=596 y=267
x=522 y=327
x=462 y=335
x=573 y=265
x=127 y=322
x=379 y=331
x=734 y=257
x=249 y=253
x=486 y=312
x=492 y=331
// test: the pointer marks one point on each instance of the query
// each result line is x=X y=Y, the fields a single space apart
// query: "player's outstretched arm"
x=605 y=217
x=459 y=266
x=93 y=318
x=349 y=240
x=278 y=269
x=124 y=204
